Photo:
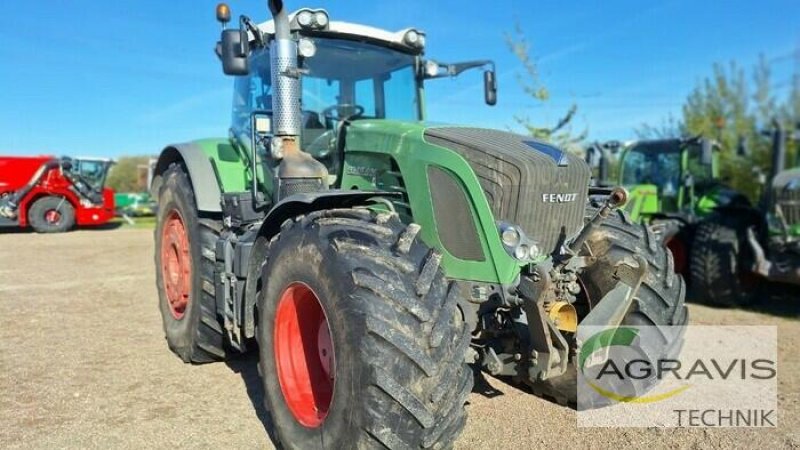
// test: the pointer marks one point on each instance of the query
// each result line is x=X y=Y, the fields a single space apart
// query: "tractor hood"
x=527 y=182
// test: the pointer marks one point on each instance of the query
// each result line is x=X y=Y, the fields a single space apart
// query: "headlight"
x=305 y=18
x=534 y=253
x=414 y=38
x=315 y=19
x=510 y=237
x=321 y=18
x=517 y=244
x=431 y=68
x=306 y=48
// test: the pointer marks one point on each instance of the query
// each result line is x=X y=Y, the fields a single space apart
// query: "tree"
x=736 y=113
x=127 y=174
x=669 y=128
x=561 y=132
x=736 y=110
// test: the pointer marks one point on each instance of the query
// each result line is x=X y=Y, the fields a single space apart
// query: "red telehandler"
x=52 y=195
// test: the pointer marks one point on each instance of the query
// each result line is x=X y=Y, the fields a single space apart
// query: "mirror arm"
x=454 y=70
x=246 y=24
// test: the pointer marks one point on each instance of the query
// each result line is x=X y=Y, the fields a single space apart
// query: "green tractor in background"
x=738 y=248
x=673 y=183
x=370 y=256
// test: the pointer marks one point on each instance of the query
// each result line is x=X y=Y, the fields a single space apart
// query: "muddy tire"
x=361 y=342
x=184 y=259
x=720 y=259
x=660 y=300
x=51 y=215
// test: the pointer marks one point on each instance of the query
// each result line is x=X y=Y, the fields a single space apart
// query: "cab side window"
x=252 y=92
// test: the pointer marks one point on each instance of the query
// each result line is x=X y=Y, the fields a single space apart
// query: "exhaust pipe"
x=298 y=171
x=778 y=150
x=286 y=115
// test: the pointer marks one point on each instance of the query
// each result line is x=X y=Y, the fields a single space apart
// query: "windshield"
x=659 y=163
x=356 y=76
x=92 y=172
x=343 y=79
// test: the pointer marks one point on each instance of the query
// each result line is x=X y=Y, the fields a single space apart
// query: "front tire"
x=184 y=260
x=660 y=300
x=51 y=215
x=361 y=342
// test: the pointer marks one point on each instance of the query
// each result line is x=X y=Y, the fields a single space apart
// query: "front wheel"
x=184 y=260
x=660 y=300
x=361 y=342
x=51 y=215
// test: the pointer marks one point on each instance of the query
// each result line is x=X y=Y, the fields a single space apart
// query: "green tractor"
x=673 y=185
x=371 y=256
x=739 y=248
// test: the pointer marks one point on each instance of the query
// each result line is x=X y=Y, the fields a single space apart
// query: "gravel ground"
x=83 y=363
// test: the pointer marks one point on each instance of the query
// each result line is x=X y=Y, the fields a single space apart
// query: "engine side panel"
x=392 y=155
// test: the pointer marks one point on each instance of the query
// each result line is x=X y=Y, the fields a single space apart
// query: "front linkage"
x=538 y=345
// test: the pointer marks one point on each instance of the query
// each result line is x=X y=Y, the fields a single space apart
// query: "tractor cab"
x=92 y=171
x=342 y=73
x=670 y=176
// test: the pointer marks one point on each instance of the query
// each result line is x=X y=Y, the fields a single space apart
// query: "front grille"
x=789 y=201
x=786 y=188
x=516 y=172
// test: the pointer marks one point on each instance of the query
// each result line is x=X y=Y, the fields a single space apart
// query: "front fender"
x=298 y=204
x=197 y=158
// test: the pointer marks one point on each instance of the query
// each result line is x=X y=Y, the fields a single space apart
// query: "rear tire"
x=720 y=263
x=185 y=260
x=660 y=300
x=398 y=375
x=51 y=215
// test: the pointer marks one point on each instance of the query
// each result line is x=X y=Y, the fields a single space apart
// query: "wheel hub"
x=52 y=216
x=304 y=355
x=176 y=267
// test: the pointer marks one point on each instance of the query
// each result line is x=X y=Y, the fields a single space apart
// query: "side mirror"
x=233 y=49
x=707 y=155
x=490 y=87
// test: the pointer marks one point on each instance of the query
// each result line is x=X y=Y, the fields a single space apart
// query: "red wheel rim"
x=176 y=264
x=304 y=355
x=680 y=255
x=52 y=216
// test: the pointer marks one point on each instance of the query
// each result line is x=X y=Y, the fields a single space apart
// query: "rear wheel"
x=721 y=261
x=51 y=215
x=361 y=342
x=185 y=272
x=660 y=300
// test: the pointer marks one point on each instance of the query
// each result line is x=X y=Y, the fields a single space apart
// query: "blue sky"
x=127 y=77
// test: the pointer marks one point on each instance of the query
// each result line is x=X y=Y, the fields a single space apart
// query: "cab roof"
x=348 y=29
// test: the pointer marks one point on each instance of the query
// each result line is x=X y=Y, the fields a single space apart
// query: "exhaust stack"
x=285 y=76
x=298 y=171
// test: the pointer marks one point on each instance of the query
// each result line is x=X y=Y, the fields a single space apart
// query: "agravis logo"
x=603 y=342
x=671 y=376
